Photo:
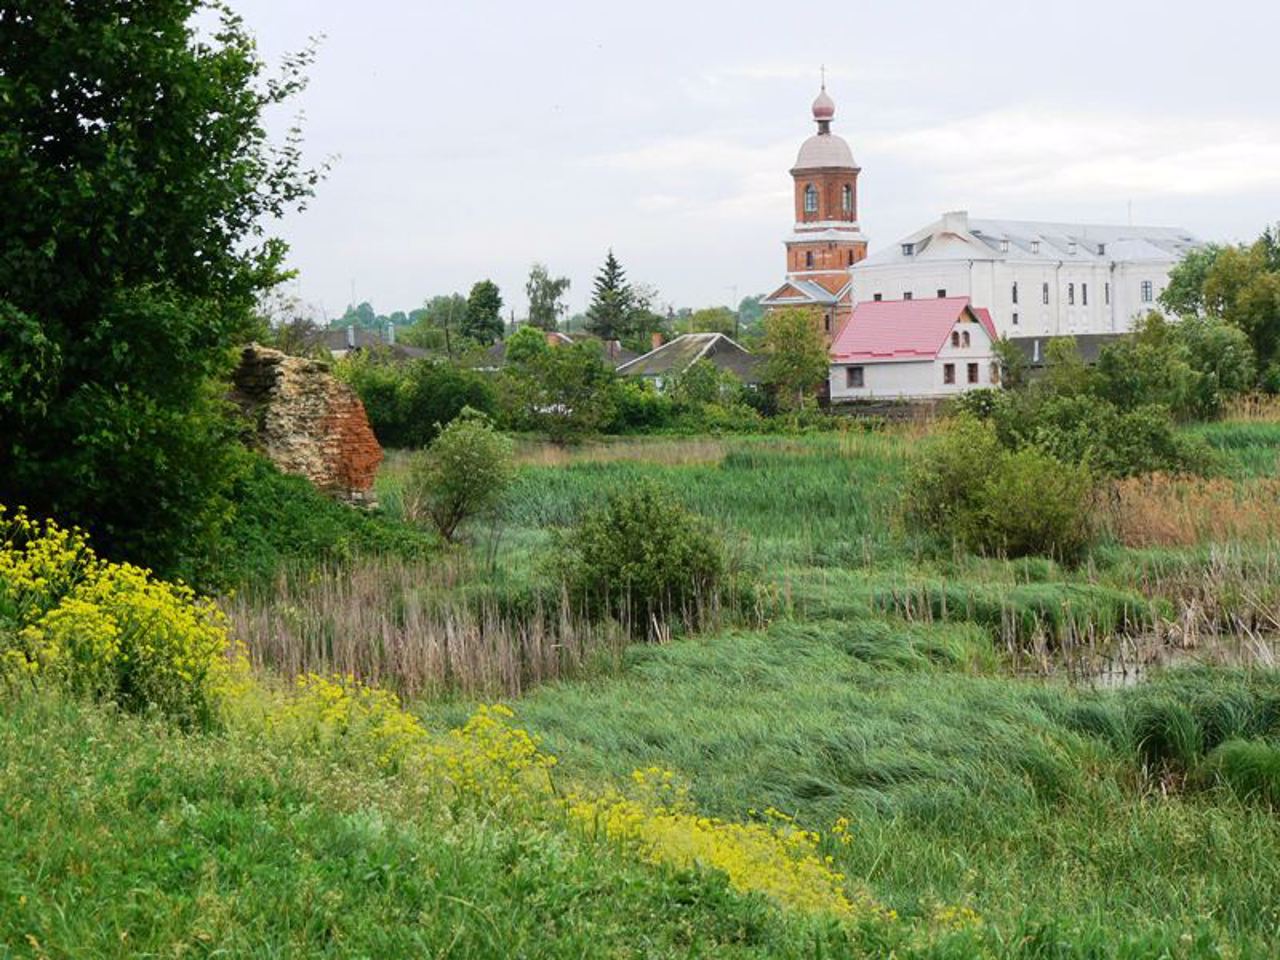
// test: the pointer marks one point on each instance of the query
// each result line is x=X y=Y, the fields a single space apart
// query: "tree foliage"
x=483 y=319
x=564 y=392
x=612 y=302
x=545 y=294
x=138 y=176
x=796 y=361
x=462 y=475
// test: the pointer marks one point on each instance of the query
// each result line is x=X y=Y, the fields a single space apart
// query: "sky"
x=471 y=139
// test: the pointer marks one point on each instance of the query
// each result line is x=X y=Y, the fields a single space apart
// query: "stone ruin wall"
x=308 y=422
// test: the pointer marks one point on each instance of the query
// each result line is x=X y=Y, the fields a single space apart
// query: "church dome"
x=824 y=150
x=824 y=108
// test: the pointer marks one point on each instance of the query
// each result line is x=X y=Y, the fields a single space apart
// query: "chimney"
x=955 y=221
x=656 y=340
x=351 y=336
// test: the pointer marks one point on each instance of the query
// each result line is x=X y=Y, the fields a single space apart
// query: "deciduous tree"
x=545 y=293
x=795 y=350
x=483 y=321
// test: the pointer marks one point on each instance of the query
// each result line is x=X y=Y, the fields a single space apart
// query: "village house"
x=677 y=355
x=913 y=349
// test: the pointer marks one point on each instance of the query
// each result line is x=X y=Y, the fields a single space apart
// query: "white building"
x=1037 y=279
x=913 y=349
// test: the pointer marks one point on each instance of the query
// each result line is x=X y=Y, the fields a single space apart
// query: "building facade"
x=913 y=349
x=825 y=239
x=1037 y=279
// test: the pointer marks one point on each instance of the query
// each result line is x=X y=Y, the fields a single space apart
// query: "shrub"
x=1033 y=504
x=110 y=632
x=408 y=404
x=1250 y=768
x=643 y=557
x=463 y=474
x=967 y=489
x=565 y=392
x=280 y=518
x=638 y=405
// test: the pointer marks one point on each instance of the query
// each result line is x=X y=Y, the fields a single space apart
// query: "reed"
x=1165 y=511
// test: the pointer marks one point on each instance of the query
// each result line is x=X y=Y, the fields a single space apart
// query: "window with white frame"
x=1071 y=294
x=846 y=199
x=1146 y=291
x=1084 y=294
x=964 y=339
x=973 y=373
x=1014 y=291
x=1044 y=294
x=854 y=377
x=810 y=199
x=948 y=373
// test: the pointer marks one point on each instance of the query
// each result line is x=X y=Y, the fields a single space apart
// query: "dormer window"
x=908 y=249
x=1035 y=246
x=1071 y=247
x=1102 y=249
x=1004 y=245
x=846 y=199
x=810 y=199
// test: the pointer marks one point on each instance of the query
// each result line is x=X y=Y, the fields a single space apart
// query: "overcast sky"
x=473 y=138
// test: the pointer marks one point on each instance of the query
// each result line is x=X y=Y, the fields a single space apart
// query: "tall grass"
x=412 y=628
x=1183 y=511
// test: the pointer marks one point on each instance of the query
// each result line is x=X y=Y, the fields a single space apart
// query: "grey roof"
x=676 y=356
x=813 y=293
x=1032 y=240
x=337 y=340
x=1088 y=345
x=824 y=150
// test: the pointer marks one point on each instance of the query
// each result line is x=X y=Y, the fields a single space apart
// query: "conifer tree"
x=612 y=302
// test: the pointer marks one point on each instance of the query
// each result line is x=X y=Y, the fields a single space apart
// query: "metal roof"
x=903 y=329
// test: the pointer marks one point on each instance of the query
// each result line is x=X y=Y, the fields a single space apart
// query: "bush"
x=106 y=631
x=969 y=490
x=463 y=474
x=408 y=404
x=643 y=558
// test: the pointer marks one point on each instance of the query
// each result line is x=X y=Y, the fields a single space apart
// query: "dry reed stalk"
x=1253 y=408
x=1161 y=510
x=668 y=452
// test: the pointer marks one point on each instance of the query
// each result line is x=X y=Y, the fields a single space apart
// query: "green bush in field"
x=462 y=475
x=407 y=404
x=279 y=519
x=966 y=488
x=642 y=557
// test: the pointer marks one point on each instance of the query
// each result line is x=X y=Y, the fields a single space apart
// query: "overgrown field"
x=888 y=749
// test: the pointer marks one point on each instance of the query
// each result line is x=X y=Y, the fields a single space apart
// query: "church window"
x=1071 y=294
x=808 y=259
x=1035 y=246
x=908 y=249
x=1044 y=294
x=1015 y=291
x=854 y=377
x=846 y=198
x=826 y=323
x=948 y=373
x=1106 y=294
x=810 y=199
x=1084 y=294
x=1146 y=291
x=1015 y=318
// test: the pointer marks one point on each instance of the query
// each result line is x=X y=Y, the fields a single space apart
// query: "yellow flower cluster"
x=495 y=763
x=774 y=857
x=109 y=631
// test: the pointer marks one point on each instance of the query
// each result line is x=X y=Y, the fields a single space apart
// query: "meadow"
x=1003 y=758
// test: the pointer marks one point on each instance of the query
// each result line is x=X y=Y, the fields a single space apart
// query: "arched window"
x=846 y=198
x=810 y=199
x=808 y=259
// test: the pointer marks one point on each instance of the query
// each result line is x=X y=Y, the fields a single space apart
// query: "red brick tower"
x=826 y=240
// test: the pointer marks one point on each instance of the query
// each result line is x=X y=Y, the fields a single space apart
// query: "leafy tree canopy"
x=795 y=349
x=138 y=176
x=545 y=294
x=482 y=321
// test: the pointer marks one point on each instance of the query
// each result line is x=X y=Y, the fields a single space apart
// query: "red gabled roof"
x=903 y=329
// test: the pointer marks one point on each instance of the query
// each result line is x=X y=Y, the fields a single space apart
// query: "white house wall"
x=909 y=379
x=989 y=283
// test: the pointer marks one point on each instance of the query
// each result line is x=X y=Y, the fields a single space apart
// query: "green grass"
x=1028 y=802
x=122 y=838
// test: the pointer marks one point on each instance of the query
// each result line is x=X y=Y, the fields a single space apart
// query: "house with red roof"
x=913 y=349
